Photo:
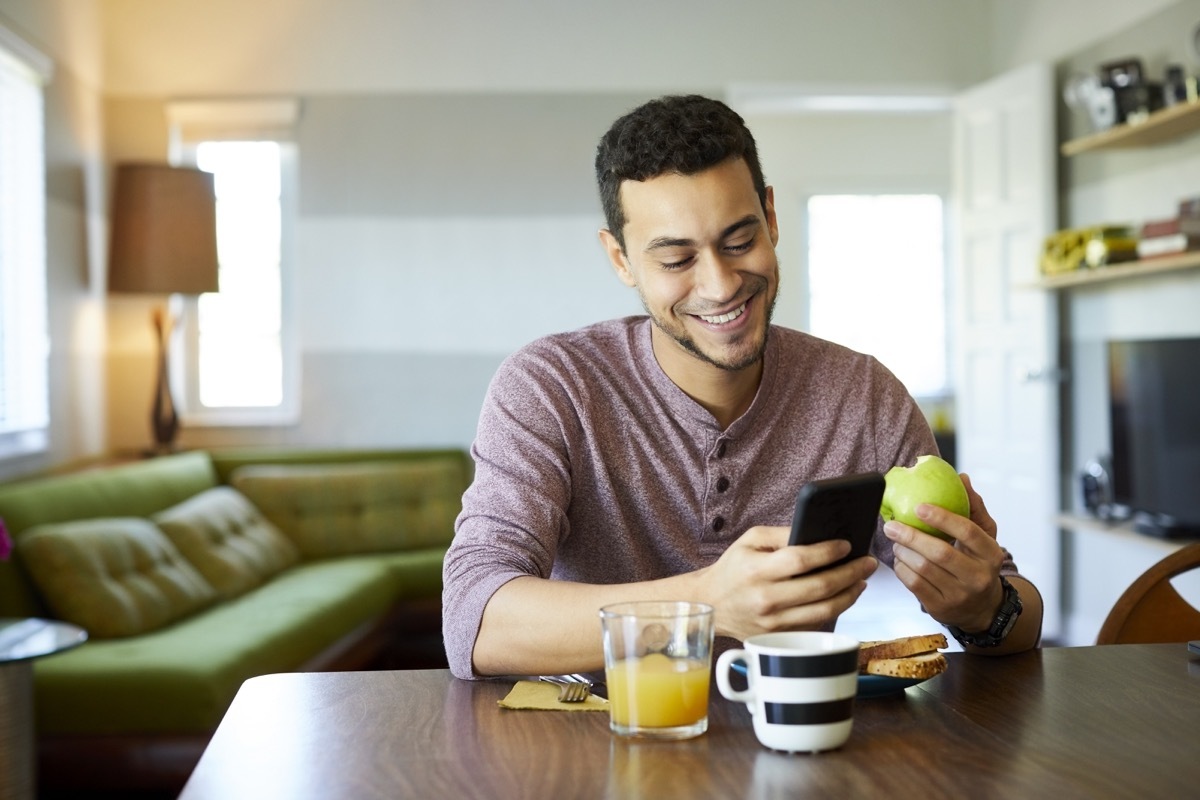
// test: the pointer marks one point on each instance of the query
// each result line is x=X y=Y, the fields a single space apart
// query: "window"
x=24 y=339
x=239 y=330
x=876 y=282
x=238 y=363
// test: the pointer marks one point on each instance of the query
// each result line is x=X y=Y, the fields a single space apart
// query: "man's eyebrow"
x=667 y=241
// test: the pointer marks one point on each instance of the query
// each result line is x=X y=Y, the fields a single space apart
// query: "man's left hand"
x=957 y=583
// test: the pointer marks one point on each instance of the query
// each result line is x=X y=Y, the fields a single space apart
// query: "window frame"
x=192 y=123
x=24 y=291
x=873 y=187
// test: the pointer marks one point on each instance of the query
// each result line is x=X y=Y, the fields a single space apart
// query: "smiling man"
x=659 y=456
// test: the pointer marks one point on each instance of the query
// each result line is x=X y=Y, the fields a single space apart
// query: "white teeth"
x=723 y=318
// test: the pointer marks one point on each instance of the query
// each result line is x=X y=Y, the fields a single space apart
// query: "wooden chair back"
x=1151 y=611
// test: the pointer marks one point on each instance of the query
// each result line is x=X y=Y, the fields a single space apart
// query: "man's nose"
x=716 y=278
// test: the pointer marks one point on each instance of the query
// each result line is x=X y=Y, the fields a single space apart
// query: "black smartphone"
x=839 y=508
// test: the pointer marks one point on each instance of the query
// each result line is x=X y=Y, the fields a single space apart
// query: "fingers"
x=948 y=579
x=809 y=602
x=787 y=562
x=759 y=589
x=969 y=535
x=979 y=512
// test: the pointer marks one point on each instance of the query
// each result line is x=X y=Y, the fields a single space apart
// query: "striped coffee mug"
x=801 y=688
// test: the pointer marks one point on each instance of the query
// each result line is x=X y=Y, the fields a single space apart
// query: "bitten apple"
x=931 y=480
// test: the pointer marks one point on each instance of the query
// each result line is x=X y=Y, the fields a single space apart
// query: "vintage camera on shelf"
x=1136 y=97
x=1118 y=93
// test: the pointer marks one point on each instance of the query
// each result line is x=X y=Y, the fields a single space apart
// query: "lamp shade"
x=164 y=231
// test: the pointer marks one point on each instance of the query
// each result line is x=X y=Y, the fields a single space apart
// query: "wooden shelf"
x=1121 y=530
x=1118 y=272
x=1164 y=125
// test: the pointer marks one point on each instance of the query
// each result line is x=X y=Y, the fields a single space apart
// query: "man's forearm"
x=533 y=626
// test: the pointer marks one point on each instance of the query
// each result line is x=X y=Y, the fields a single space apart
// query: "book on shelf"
x=1163 y=237
x=1167 y=245
x=1169 y=227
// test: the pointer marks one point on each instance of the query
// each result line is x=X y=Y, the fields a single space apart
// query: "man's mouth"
x=721 y=319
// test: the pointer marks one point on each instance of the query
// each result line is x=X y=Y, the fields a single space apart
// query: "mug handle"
x=724 y=667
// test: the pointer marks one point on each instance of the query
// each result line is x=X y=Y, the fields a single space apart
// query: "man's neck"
x=725 y=394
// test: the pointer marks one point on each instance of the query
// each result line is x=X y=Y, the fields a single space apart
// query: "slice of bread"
x=922 y=666
x=899 y=648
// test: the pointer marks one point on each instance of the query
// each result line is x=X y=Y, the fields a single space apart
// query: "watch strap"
x=1002 y=623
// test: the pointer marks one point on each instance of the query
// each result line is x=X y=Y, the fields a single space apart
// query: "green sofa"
x=198 y=570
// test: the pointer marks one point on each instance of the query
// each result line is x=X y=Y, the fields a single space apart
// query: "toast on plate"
x=906 y=657
x=922 y=666
x=900 y=648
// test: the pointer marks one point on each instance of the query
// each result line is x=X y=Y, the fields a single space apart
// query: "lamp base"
x=163 y=419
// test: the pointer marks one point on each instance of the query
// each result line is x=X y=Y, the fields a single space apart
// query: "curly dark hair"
x=683 y=134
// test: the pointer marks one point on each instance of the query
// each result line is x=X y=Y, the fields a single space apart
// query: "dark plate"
x=868 y=685
x=878 y=685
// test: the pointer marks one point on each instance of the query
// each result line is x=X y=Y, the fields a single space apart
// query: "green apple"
x=931 y=480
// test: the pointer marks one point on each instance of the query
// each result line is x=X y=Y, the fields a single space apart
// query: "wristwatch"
x=1002 y=623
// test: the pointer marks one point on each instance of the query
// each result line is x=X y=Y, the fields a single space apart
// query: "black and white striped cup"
x=801 y=688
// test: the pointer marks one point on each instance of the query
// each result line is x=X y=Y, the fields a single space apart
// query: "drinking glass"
x=657 y=663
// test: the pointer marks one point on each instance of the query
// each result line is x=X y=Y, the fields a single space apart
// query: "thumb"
x=765 y=537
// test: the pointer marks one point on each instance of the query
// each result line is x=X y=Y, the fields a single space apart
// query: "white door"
x=1006 y=334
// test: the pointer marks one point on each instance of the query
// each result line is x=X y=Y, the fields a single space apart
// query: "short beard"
x=688 y=343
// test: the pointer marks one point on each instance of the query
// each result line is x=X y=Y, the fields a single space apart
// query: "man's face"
x=700 y=250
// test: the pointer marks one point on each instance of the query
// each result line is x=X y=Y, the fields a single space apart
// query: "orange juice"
x=657 y=692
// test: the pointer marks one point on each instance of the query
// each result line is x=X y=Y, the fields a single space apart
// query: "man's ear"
x=617 y=256
x=769 y=211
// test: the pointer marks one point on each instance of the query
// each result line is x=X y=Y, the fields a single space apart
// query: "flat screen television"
x=1154 y=415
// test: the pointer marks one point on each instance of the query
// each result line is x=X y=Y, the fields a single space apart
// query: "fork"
x=573 y=688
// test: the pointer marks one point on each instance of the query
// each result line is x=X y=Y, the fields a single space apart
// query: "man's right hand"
x=761 y=584
x=758 y=585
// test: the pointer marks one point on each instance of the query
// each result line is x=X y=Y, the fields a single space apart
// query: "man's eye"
x=741 y=247
x=673 y=265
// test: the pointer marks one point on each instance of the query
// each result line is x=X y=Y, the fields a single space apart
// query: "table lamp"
x=164 y=241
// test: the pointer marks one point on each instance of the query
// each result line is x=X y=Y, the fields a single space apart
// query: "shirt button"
x=721 y=450
x=722 y=484
x=718 y=523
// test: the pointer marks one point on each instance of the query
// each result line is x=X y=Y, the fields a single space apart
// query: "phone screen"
x=839 y=508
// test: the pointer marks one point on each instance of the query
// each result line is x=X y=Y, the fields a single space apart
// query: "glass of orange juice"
x=657 y=663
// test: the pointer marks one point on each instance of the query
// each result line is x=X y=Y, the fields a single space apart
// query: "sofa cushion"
x=114 y=577
x=182 y=678
x=134 y=489
x=341 y=509
x=227 y=539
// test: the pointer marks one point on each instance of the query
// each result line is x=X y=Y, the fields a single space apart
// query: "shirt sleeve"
x=515 y=510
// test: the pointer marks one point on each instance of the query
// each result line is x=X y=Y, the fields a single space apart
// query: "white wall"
x=1046 y=30
x=368 y=46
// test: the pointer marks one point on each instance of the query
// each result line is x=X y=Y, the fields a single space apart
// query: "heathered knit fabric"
x=592 y=466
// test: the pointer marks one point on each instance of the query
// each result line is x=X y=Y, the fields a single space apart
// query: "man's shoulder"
x=604 y=348
x=795 y=344
x=614 y=338
x=816 y=362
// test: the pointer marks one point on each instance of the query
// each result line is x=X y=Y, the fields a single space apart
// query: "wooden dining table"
x=1072 y=722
